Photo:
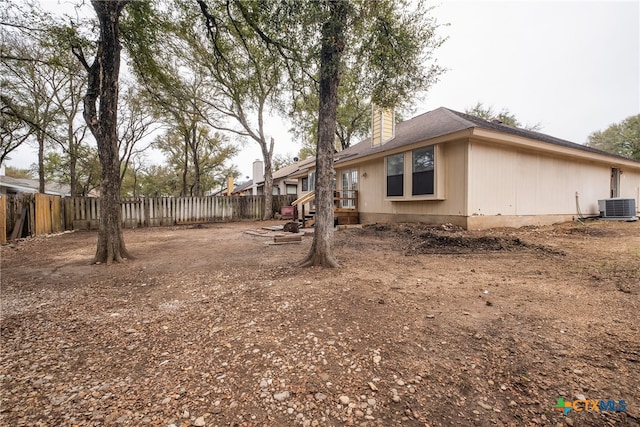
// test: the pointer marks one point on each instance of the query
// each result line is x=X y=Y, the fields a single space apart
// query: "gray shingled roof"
x=25 y=185
x=481 y=123
x=282 y=173
x=444 y=121
x=243 y=187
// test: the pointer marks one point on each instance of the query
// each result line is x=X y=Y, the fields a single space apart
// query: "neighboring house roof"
x=243 y=187
x=24 y=185
x=285 y=172
x=282 y=173
x=443 y=121
x=303 y=167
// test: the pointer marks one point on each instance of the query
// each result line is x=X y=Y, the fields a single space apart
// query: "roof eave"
x=542 y=146
x=450 y=137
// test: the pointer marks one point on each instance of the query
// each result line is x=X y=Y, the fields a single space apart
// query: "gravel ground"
x=421 y=326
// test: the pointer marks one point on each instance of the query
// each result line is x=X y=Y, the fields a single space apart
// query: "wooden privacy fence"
x=29 y=214
x=3 y=219
x=84 y=212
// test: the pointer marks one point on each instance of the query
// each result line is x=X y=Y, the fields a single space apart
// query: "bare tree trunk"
x=321 y=252
x=41 y=177
x=135 y=183
x=73 y=160
x=267 y=154
x=185 y=170
x=196 y=161
x=103 y=87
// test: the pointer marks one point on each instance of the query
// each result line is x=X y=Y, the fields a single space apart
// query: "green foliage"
x=13 y=130
x=18 y=173
x=29 y=82
x=308 y=150
x=282 y=161
x=394 y=48
x=621 y=138
x=388 y=60
x=211 y=152
x=43 y=81
x=155 y=57
x=353 y=116
x=504 y=117
x=87 y=169
x=166 y=54
x=157 y=181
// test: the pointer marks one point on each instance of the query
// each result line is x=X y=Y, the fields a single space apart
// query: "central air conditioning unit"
x=617 y=208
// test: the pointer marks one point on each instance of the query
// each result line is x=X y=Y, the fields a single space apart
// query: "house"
x=10 y=185
x=243 y=189
x=282 y=182
x=449 y=167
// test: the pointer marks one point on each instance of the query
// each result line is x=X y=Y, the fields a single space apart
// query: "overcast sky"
x=572 y=66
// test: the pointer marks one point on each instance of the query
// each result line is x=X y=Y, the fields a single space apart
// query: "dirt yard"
x=421 y=326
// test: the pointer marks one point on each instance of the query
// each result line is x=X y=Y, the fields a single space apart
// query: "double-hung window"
x=395 y=175
x=422 y=177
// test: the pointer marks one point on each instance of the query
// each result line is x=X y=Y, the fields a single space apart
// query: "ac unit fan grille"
x=619 y=208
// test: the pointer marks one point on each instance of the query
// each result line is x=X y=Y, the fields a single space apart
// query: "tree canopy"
x=621 y=138
x=208 y=69
x=504 y=116
x=386 y=47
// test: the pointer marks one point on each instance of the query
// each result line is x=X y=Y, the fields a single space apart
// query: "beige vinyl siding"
x=374 y=206
x=630 y=185
x=506 y=181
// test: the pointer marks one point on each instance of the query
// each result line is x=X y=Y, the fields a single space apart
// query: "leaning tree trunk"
x=321 y=252
x=102 y=89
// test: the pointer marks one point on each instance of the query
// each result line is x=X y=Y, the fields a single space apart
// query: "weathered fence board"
x=3 y=220
x=84 y=212
x=43 y=214
x=48 y=214
x=30 y=214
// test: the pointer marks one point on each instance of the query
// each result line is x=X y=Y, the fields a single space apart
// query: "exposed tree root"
x=319 y=262
x=111 y=250
x=318 y=259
